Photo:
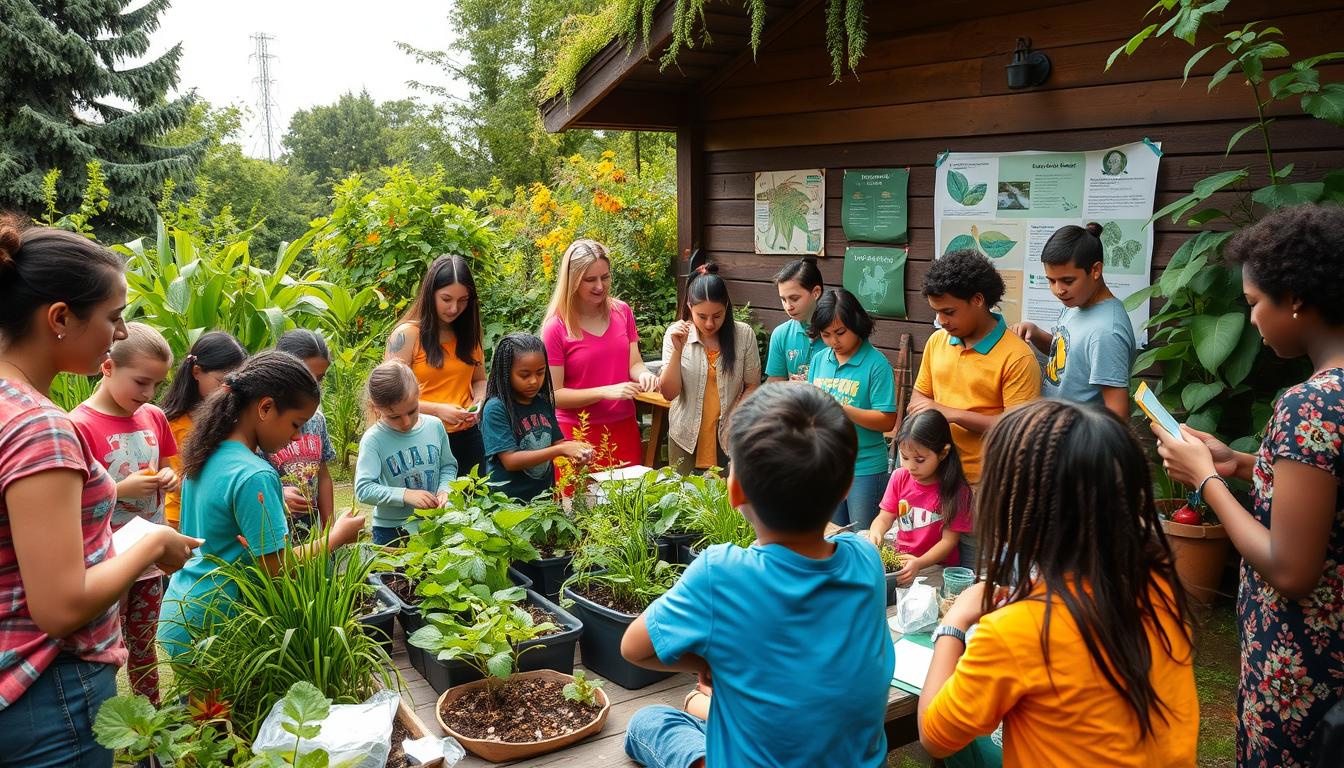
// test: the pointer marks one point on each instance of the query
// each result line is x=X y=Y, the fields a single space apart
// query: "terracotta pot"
x=1200 y=552
x=497 y=751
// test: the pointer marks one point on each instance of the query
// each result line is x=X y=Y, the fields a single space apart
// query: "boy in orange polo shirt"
x=973 y=369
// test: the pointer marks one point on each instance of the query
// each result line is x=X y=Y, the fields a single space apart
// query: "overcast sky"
x=321 y=49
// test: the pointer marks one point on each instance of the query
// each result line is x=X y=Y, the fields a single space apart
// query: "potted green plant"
x=711 y=518
x=1199 y=544
x=554 y=535
x=892 y=562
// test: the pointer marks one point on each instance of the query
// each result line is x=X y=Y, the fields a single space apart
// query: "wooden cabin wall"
x=932 y=79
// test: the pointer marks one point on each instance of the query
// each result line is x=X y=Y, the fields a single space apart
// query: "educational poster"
x=873 y=208
x=1007 y=205
x=791 y=211
x=876 y=276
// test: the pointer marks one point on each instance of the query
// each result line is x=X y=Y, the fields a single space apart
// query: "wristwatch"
x=945 y=630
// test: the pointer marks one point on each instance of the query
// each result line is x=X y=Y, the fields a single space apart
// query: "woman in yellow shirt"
x=1082 y=649
x=214 y=355
x=440 y=339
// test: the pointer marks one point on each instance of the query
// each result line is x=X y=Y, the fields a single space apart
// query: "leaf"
x=1326 y=104
x=1190 y=64
x=1197 y=393
x=1138 y=298
x=1232 y=142
x=124 y=722
x=961 y=243
x=1216 y=337
x=975 y=195
x=318 y=758
x=1242 y=359
x=1222 y=74
x=996 y=244
x=1125 y=252
x=501 y=664
x=957 y=186
x=1245 y=444
x=1110 y=235
x=510 y=518
x=1289 y=195
x=304 y=703
x=1207 y=186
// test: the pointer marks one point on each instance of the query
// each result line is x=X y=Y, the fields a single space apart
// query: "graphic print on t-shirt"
x=129 y=453
x=537 y=434
x=918 y=517
x=1059 y=355
x=842 y=389
x=408 y=461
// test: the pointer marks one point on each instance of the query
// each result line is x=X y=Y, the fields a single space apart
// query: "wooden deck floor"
x=608 y=747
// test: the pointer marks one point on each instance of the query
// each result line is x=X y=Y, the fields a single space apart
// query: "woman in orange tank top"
x=439 y=337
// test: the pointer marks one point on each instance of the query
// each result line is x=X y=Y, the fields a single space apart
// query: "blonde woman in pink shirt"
x=592 y=347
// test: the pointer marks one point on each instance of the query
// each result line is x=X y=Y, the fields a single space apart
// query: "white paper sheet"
x=128 y=536
x=912 y=663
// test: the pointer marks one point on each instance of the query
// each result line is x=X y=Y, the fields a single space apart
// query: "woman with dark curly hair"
x=1291 y=596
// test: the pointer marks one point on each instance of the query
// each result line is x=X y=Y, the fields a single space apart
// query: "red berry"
x=1186 y=516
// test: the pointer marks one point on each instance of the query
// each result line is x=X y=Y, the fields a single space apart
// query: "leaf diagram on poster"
x=1006 y=206
x=790 y=211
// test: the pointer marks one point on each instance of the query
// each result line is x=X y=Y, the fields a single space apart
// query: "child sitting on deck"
x=792 y=628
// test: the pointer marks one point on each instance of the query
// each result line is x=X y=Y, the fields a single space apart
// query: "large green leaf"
x=1242 y=359
x=1197 y=393
x=957 y=186
x=124 y=722
x=975 y=194
x=961 y=243
x=1216 y=337
x=1289 y=195
x=996 y=244
x=1326 y=104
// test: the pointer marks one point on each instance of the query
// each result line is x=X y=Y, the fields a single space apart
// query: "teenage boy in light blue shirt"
x=1091 y=348
x=793 y=628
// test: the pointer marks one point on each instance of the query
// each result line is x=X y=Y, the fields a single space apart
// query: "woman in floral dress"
x=1291 y=597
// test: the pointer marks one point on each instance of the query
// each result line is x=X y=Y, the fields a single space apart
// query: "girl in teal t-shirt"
x=859 y=377
x=232 y=497
x=791 y=348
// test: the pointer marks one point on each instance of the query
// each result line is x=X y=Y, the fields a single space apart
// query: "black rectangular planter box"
x=686 y=553
x=674 y=545
x=891 y=588
x=600 y=645
x=408 y=617
x=551 y=652
x=378 y=625
x=548 y=574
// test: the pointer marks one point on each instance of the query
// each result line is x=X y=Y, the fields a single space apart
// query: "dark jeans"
x=51 y=725
x=383 y=535
x=469 y=450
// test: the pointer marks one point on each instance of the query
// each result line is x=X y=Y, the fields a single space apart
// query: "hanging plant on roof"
x=631 y=21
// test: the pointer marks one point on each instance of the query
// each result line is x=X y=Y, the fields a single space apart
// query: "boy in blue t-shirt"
x=793 y=628
x=1091 y=348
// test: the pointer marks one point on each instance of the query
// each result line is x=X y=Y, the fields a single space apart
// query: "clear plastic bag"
x=354 y=735
x=916 y=608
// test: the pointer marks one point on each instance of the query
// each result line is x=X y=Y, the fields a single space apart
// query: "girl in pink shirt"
x=592 y=347
x=927 y=498
x=131 y=438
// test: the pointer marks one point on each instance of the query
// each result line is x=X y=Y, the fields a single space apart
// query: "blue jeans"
x=663 y=737
x=860 y=506
x=388 y=534
x=51 y=725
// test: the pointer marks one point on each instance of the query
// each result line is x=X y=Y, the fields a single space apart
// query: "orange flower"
x=618 y=176
x=372 y=238
x=243 y=540
x=209 y=708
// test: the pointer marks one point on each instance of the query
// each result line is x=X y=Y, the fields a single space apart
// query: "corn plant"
x=299 y=625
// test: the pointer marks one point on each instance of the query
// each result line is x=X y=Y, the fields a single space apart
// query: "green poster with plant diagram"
x=877 y=277
x=874 y=205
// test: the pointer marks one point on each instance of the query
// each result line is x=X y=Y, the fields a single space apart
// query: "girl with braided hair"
x=232 y=497
x=1082 y=646
x=522 y=436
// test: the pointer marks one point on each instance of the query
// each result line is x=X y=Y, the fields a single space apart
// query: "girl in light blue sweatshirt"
x=404 y=459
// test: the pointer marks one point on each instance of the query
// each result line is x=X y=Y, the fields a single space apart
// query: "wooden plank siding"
x=932 y=79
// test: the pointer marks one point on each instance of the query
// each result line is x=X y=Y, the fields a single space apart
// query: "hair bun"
x=711 y=268
x=1093 y=229
x=10 y=242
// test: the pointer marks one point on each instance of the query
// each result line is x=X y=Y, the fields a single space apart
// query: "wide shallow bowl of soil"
x=531 y=718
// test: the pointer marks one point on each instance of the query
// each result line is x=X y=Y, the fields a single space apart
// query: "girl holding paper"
x=1292 y=539
x=61 y=299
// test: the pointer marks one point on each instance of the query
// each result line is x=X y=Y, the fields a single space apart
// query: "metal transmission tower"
x=265 y=100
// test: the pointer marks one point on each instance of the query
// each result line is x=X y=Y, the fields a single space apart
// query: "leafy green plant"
x=583 y=690
x=711 y=515
x=299 y=625
x=486 y=639
x=132 y=728
x=550 y=528
x=70 y=389
x=93 y=201
x=1214 y=369
x=891 y=559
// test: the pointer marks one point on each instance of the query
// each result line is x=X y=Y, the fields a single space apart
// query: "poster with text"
x=1007 y=205
x=791 y=211
x=873 y=206
x=876 y=276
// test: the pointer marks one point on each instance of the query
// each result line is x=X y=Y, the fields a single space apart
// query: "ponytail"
x=277 y=375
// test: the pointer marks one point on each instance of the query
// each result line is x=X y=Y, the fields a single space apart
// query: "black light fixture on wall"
x=1028 y=68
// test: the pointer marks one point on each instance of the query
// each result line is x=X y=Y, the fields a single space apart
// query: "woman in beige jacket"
x=710 y=362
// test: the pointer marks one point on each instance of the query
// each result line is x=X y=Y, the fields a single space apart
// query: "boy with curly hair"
x=973 y=369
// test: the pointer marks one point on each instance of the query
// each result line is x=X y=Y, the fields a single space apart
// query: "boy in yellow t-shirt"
x=1065 y=490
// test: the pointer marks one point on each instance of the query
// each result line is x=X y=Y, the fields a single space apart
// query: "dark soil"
x=369 y=605
x=403 y=587
x=602 y=595
x=541 y=615
x=396 y=758
x=527 y=711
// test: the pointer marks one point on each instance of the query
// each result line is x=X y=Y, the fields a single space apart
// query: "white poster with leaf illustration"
x=791 y=211
x=1006 y=205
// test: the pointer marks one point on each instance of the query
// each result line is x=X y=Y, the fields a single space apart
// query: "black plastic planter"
x=378 y=624
x=551 y=652
x=408 y=617
x=891 y=588
x=675 y=545
x=600 y=645
x=686 y=553
x=519 y=578
x=548 y=574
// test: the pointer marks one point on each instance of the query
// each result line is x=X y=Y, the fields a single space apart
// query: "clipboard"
x=1156 y=413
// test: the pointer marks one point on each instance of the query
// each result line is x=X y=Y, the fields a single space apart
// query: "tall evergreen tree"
x=64 y=101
